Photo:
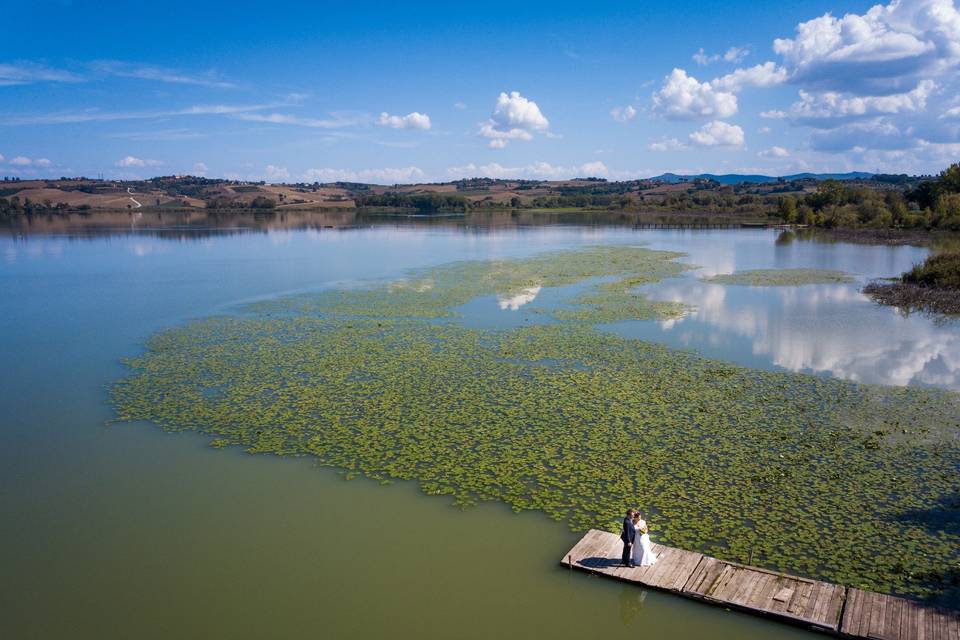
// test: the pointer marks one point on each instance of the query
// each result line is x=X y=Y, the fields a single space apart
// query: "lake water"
x=127 y=531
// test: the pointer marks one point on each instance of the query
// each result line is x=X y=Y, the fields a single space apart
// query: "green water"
x=125 y=531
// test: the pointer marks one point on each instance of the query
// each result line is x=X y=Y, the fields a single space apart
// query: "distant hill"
x=738 y=178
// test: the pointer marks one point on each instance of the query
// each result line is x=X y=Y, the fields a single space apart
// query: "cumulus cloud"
x=43 y=162
x=767 y=74
x=413 y=120
x=871 y=78
x=670 y=144
x=884 y=50
x=514 y=117
x=774 y=152
x=200 y=169
x=397 y=175
x=832 y=104
x=876 y=134
x=21 y=161
x=623 y=114
x=535 y=170
x=683 y=97
x=132 y=161
x=2 y=158
x=718 y=134
x=276 y=174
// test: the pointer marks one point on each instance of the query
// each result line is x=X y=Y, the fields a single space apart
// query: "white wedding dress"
x=643 y=554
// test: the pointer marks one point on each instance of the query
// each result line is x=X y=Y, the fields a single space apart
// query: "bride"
x=643 y=554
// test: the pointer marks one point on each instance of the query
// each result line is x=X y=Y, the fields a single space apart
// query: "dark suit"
x=629 y=536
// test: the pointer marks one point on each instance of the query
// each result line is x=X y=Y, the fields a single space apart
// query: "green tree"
x=787 y=209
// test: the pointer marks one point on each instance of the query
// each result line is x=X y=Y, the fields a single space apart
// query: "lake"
x=129 y=531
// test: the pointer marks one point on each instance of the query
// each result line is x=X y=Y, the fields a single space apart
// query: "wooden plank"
x=853 y=613
x=754 y=590
x=885 y=617
x=784 y=595
x=878 y=605
x=909 y=627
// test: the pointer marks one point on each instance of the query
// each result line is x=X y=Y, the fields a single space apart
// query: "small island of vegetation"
x=931 y=287
x=780 y=277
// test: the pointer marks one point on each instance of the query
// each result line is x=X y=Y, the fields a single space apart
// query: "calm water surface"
x=121 y=532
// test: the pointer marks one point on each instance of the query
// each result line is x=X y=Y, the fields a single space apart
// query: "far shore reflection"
x=186 y=224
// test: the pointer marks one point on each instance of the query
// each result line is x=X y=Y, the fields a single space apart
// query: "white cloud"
x=30 y=72
x=877 y=134
x=132 y=161
x=671 y=144
x=514 y=117
x=762 y=75
x=764 y=130
x=773 y=114
x=276 y=174
x=735 y=55
x=338 y=121
x=831 y=104
x=533 y=171
x=459 y=105
x=718 y=134
x=774 y=152
x=93 y=115
x=200 y=169
x=159 y=74
x=594 y=169
x=414 y=120
x=884 y=50
x=397 y=175
x=683 y=97
x=702 y=58
x=42 y=162
x=623 y=114
x=953 y=112
x=2 y=158
x=21 y=161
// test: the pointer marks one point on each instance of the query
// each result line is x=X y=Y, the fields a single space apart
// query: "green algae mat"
x=781 y=277
x=850 y=483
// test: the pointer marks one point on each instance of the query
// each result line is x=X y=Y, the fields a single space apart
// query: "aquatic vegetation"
x=798 y=473
x=781 y=277
x=931 y=287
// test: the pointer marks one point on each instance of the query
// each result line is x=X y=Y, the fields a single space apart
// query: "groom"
x=629 y=536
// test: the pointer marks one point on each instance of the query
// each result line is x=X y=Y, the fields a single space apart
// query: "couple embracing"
x=637 y=548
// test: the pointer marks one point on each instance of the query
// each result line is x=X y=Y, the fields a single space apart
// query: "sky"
x=419 y=91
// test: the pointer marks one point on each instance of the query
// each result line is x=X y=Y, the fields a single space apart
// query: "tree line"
x=932 y=204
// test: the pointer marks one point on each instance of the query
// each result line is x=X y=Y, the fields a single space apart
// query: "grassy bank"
x=932 y=286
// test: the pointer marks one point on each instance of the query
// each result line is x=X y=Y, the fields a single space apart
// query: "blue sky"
x=406 y=92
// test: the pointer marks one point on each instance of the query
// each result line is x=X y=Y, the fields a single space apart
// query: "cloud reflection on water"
x=827 y=329
x=514 y=302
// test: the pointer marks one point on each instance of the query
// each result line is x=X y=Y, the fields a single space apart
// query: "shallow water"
x=125 y=531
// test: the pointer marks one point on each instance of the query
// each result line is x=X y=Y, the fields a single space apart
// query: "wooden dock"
x=811 y=603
